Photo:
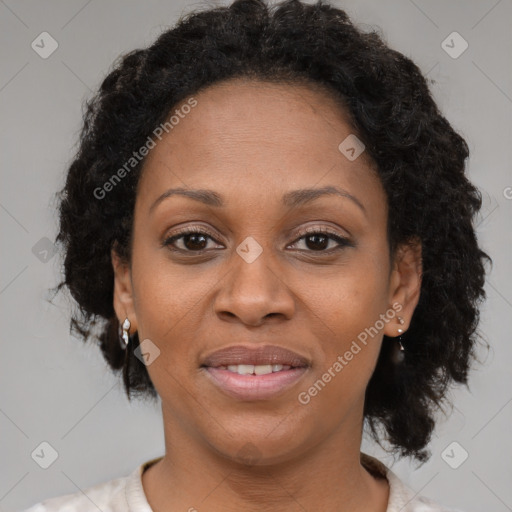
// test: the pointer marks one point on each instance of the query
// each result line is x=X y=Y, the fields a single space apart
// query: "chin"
x=262 y=444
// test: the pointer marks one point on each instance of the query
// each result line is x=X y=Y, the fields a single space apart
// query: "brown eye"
x=317 y=240
x=193 y=240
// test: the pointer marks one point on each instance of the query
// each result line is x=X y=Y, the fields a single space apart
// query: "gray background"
x=53 y=388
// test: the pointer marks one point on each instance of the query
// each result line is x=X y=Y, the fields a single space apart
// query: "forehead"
x=249 y=137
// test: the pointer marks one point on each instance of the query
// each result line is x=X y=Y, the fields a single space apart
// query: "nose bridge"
x=254 y=273
x=254 y=287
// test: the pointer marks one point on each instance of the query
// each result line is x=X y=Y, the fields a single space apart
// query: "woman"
x=269 y=218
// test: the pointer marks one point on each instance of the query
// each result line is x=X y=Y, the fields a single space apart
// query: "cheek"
x=167 y=309
x=346 y=308
x=171 y=310
x=345 y=317
x=165 y=293
x=352 y=296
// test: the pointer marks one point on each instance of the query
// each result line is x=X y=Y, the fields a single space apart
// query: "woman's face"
x=253 y=278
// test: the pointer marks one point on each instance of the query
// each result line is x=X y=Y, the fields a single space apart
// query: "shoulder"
x=401 y=497
x=415 y=503
x=107 y=497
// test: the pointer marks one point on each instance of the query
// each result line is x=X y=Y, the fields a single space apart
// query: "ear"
x=405 y=285
x=123 y=291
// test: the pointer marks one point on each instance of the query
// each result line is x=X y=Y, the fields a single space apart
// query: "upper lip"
x=262 y=355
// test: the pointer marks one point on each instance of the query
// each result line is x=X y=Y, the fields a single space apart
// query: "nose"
x=254 y=293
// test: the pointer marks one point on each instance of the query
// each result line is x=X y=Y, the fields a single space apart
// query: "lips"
x=265 y=355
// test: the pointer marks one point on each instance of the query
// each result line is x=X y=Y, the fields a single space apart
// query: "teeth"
x=244 y=369
x=262 y=369
x=258 y=369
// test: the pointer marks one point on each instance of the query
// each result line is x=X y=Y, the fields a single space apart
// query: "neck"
x=326 y=476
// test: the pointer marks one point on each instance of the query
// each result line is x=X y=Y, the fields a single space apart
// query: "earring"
x=402 y=322
x=399 y=355
x=124 y=335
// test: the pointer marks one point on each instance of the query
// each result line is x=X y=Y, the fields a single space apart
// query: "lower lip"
x=254 y=387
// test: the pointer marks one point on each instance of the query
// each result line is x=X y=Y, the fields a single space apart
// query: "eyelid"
x=317 y=229
x=193 y=229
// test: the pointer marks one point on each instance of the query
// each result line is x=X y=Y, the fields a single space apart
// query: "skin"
x=252 y=142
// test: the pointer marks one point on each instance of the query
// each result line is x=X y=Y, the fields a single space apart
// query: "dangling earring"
x=400 y=356
x=124 y=334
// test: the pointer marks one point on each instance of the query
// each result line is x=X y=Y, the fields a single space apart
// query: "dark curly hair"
x=419 y=157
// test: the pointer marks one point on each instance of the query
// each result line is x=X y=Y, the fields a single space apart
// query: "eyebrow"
x=292 y=199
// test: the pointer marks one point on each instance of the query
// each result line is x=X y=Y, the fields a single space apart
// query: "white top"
x=126 y=494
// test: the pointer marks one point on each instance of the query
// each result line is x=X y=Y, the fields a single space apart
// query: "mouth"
x=254 y=374
x=259 y=358
x=255 y=369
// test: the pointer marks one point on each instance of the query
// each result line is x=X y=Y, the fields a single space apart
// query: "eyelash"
x=343 y=242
